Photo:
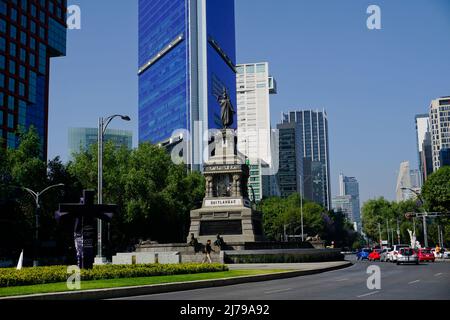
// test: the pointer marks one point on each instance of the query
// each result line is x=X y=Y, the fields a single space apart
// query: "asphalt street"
x=427 y=281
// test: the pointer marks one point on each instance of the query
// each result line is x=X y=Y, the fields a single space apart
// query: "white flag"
x=20 y=263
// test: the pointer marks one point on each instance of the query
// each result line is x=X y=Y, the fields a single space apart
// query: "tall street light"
x=102 y=126
x=425 y=234
x=36 y=196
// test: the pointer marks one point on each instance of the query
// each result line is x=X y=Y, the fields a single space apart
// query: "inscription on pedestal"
x=222 y=227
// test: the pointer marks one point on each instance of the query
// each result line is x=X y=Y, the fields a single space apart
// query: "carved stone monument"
x=226 y=208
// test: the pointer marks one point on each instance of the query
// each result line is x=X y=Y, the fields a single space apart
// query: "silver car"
x=407 y=255
x=384 y=255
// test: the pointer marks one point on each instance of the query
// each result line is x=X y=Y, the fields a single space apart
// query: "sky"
x=371 y=82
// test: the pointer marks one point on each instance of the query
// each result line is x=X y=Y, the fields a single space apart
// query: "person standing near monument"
x=207 y=252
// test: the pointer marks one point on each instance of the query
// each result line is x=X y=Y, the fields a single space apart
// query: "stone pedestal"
x=226 y=209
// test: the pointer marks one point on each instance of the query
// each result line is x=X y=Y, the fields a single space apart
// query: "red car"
x=425 y=255
x=375 y=255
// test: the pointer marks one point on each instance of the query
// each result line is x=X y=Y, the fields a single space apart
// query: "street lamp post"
x=102 y=126
x=424 y=217
x=36 y=196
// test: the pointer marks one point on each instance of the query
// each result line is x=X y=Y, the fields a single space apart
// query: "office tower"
x=345 y=204
x=407 y=180
x=444 y=157
x=422 y=128
x=31 y=33
x=440 y=128
x=187 y=56
x=426 y=158
x=312 y=128
x=349 y=187
x=290 y=173
x=81 y=139
x=254 y=87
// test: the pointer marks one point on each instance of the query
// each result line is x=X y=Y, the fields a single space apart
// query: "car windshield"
x=425 y=251
x=367 y=250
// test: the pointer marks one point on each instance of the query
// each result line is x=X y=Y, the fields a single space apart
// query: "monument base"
x=238 y=252
x=234 y=224
x=100 y=261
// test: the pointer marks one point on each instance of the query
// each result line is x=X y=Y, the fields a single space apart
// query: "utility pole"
x=379 y=232
x=387 y=230
x=425 y=232
x=398 y=232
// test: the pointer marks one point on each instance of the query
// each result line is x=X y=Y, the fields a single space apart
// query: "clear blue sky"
x=371 y=83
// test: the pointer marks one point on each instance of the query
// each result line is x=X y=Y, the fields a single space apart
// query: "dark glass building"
x=31 y=32
x=444 y=156
x=187 y=55
x=312 y=130
x=290 y=171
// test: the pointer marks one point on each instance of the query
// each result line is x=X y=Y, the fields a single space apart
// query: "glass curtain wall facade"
x=187 y=55
x=81 y=139
x=313 y=129
x=31 y=33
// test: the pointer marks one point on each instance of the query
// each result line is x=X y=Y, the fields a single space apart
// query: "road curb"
x=124 y=292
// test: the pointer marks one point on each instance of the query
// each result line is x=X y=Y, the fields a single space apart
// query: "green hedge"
x=41 y=275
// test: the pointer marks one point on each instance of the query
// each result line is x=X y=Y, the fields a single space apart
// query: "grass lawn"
x=128 y=282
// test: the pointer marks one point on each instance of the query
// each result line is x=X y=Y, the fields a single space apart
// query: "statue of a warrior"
x=227 y=110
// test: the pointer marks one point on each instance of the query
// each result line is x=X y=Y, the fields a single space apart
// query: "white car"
x=384 y=256
x=446 y=254
x=392 y=256
x=407 y=255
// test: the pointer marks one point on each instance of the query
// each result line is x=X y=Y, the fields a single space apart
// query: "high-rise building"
x=312 y=129
x=81 y=139
x=439 y=128
x=31 y=33
x=407 y=180
x=444 y=156
x=349 y=187
x=344 y=204
x=254 y=87
x=426 y=158
x=187 y=56
x=290 y=173
x=422 y=128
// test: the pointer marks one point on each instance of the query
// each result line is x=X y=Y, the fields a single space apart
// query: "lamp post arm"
x=51 y=187
x=107 y=121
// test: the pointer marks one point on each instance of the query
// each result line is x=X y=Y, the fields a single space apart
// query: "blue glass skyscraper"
x=187 y=55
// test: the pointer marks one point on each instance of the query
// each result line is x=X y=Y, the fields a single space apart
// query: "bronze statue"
x=227 y=110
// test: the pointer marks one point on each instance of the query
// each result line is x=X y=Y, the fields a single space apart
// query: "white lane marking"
x=368 y=294
x=277 y=291
x=415 y=281
x=438 y=274
x=339 y=280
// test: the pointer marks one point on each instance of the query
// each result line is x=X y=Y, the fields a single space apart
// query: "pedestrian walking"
x=207 y=251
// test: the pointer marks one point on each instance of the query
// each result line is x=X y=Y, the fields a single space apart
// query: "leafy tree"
x=154 y=195
x=436 y=191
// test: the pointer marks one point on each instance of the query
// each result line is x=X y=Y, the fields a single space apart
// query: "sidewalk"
x=295 y=270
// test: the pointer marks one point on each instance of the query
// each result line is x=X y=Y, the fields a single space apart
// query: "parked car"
x=395 y=250
x=425 y=255
x=375 y=255
x=384 y=255
x=363 y=254
x=407 y=255
x=446 y=254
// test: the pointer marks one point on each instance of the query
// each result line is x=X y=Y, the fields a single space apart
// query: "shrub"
x=40 y=275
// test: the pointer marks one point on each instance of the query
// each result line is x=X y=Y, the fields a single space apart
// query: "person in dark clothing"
x=219 y=242
x=207 y=251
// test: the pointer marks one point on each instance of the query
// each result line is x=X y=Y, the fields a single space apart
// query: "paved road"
x=425 y=281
